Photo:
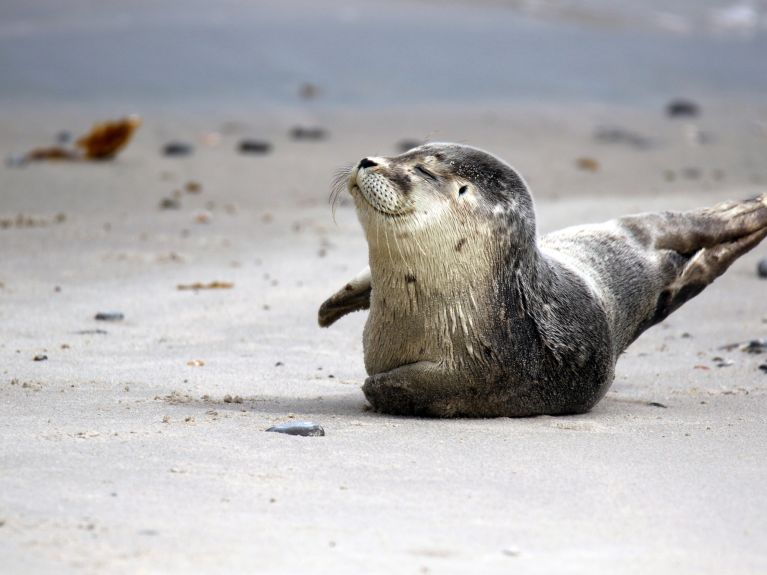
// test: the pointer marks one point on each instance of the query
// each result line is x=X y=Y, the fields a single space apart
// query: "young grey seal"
x=472 y=314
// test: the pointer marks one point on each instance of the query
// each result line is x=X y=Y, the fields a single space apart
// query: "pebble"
x=109 y=316
x=722 y=362
x=682 y=109
x=170 y=204
x=761 y=268
x=587 y=164
x=691 y=173
x=615 y=135
x=177 y=149
x=763 y=367
x=755 y=346
x=304 y=428
x=308 y=133
x=254 y=147
x=41 y=357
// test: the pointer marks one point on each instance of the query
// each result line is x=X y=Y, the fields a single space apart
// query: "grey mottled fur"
x=471 y=314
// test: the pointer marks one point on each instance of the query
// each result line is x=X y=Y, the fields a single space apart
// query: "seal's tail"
x=701 y=243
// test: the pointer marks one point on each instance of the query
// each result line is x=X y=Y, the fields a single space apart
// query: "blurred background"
x=365 y=53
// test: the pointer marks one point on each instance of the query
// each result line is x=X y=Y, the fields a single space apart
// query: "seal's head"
x=440 y=192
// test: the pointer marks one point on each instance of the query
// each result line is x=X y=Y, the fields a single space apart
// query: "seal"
x=473 y=315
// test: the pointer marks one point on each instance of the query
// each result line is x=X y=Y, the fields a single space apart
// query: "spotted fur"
x=471 y=314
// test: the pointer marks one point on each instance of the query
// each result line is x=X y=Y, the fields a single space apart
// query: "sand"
x=138 y=446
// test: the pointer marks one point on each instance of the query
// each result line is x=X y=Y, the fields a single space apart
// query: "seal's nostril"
x=365 y=163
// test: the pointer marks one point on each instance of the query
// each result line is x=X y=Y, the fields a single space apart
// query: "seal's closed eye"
x=462 y=190
x=426 y=173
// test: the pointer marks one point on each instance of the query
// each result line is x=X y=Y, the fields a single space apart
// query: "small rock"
x=170 y=204
x=682 y=109
x=761 y=268
x=656 y=404
x=193 y=187
x=63 y=137
x=755 y=346
x=109 y=316
x=763 y=367
x=177 y=149
x=721 y=362
x=202 y=217
x=587 y=164
x=615 y=135
x=40 y=357
x=308 y=133
x=691 y=173
x=229 y=399
x=254 y=147
x=304 y=428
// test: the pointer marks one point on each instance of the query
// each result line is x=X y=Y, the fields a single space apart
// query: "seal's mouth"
x=367 y=181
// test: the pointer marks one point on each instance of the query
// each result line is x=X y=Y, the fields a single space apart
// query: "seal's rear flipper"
x=354 y=296
x=702 y=269
x=702 y=243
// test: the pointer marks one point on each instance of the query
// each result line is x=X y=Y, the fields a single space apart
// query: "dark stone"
x=109 y=316
x=761 y=268
x=254 y=147
x=308 y=133
x=304 y=428
x=41 y=357
x=170 y=204
x=763 y=367
x=615 y=135
x=682 y=109
x=755 y=346
x=177 y=149
x=656 y=404
x=691 y=173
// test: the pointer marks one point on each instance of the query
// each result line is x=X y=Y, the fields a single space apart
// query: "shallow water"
x=359 y=54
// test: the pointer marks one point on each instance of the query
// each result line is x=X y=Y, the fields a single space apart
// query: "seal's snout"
x=371 y=177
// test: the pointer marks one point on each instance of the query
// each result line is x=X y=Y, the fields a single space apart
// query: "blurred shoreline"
x=362 y=54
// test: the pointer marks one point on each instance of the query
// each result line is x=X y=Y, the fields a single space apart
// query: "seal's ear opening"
x=354 y=296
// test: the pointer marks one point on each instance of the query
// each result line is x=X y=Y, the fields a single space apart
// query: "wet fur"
x=471 y=315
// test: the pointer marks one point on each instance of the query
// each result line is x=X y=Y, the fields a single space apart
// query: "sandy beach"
x=139 y=446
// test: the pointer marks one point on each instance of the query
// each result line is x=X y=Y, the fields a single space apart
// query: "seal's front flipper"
x=354 y=296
